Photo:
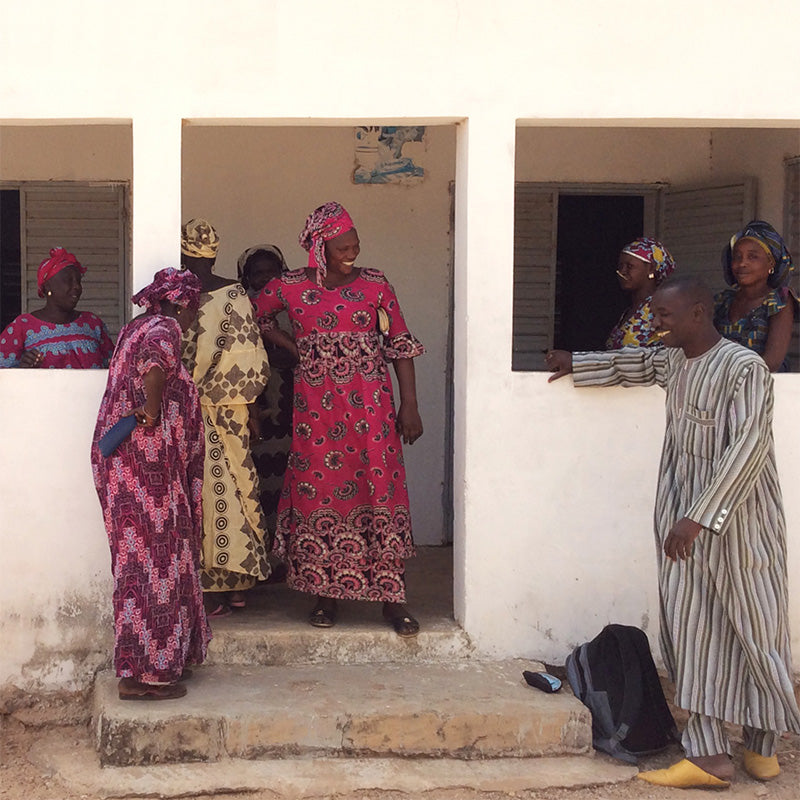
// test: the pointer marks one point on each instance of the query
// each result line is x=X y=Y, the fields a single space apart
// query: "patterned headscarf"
x=179 y=286
x=272 y=249
x=59 y=259
x=323 y=224
x=654 y=253
x=199 y=239
x=769 y=239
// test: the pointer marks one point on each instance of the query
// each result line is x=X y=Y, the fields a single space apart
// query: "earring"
x=177 y=312
x=772 y=269
x=651 y=275
x=49 y=293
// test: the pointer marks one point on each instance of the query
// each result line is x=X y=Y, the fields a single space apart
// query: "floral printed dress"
x=344 y=525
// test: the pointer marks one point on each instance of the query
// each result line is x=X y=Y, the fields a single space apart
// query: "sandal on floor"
x=322 y=616
x=144 y=691
x=216 y=608
x=237 y=600
x=405 y=626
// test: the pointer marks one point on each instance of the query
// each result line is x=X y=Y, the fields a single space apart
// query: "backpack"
x=615 y=677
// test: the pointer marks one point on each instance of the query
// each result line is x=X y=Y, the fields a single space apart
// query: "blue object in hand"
x=116 y=435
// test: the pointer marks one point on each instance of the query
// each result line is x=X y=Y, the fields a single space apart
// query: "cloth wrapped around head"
x=323 y=224
x=259 y=249
x=654 y=253
x=178 y=286
x=770 y=240
x=59 y=259
x=199 y=239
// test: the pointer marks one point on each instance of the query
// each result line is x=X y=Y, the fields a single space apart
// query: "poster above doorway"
x=386 y=153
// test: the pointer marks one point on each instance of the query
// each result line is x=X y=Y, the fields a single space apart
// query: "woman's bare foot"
x=131 y=689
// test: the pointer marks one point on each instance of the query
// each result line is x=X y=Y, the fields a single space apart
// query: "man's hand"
x=678 y=544
x=560 y=362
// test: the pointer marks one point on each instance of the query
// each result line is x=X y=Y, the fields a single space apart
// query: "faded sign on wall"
x=385 y=154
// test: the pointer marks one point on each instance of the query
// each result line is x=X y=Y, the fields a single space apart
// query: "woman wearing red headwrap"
x=57 y=336
x=343 y=520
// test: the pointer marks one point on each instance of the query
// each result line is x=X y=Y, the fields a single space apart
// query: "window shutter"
x=697 y=222
x=535 y=222
x=89 y=221
x=791 y=235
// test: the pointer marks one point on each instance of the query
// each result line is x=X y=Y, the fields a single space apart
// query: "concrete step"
x=463 y=710
x=72 y=761
x=274 y=631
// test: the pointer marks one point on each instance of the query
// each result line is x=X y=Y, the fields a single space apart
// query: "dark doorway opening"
x=592 y=229
x=10 y=257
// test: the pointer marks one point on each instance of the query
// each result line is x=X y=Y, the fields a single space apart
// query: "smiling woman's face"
x=65 y=288
x=633 y=273
x=342 y=252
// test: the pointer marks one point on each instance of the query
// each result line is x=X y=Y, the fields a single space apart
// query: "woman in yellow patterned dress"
x=224 y=353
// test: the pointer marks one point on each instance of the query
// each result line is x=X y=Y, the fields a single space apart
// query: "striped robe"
x=724 y=610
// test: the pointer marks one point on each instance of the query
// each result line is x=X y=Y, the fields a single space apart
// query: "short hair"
x=691 y=287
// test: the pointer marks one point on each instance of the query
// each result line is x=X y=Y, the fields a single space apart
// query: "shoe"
x=684 y=775
x=215 y=605
x=323 y=615
x=130 y=689
x=762 y=768
x=405 y=626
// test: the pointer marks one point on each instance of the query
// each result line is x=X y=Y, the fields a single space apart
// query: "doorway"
x=591 y=231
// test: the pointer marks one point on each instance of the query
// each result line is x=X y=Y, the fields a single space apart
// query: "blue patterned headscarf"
x=763 y=233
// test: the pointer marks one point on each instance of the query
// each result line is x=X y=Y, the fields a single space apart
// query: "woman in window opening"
x=642 y=265
x=224 y=354
x=257 y=266
x=343 y=520
x=57 y=336
x=150 y=490
x=759 y=310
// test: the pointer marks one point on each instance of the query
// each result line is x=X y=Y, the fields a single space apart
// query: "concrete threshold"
x=463 y=710
x=76 y=765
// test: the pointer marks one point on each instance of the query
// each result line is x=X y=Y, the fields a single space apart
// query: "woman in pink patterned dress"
x=344 y=526
x=150 y=489
x=57 y=336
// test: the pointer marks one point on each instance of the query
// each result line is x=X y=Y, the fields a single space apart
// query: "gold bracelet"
x=150 y=416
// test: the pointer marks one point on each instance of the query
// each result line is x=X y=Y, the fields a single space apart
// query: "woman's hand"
x=145 y=417
x=408 y=423
x=30 y=359
x=253 y=423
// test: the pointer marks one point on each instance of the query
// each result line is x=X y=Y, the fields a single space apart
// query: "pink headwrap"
x=59 y=259
x=179 y=287
x=323 y=224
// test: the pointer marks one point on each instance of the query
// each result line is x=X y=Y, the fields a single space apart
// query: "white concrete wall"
x=567 y=545
x=485 y=66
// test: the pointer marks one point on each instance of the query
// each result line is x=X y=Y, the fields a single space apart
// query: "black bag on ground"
x=614 y=675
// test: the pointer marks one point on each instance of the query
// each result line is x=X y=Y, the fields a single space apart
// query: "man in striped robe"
x=720 y=535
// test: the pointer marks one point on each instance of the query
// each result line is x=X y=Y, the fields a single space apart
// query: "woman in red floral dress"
x=344 y=526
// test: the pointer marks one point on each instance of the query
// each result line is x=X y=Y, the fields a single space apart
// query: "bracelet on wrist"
x=150 y=416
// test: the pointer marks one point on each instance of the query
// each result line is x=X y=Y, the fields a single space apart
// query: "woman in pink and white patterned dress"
x=344 y=525
x=150 y=490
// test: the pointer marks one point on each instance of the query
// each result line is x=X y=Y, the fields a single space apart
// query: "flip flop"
x=237 y=600
x=216 y=608
x=404 y=625
x=169 y=691
x=322 y=617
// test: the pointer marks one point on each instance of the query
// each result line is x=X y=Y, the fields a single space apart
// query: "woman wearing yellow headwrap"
x=224 y=353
